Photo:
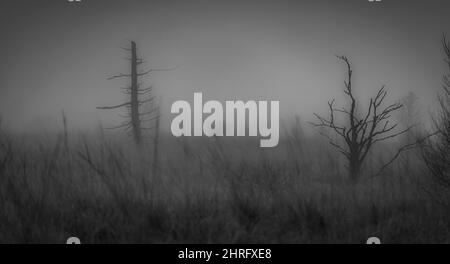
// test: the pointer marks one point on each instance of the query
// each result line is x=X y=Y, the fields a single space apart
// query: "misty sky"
x=57 y=55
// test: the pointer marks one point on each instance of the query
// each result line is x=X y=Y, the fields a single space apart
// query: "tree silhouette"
x=360 y=132
x=135 y=115
x=436 y=154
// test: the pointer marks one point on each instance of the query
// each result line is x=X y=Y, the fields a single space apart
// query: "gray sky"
x=57 y=55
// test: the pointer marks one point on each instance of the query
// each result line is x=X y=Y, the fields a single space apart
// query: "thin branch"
x=124 y=125
x=393 y=135
x=113 y=107
x=156 y=70
x=400 y=151
x=121 y=75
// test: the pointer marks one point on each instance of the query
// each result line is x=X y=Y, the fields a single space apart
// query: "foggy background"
x=56 y=55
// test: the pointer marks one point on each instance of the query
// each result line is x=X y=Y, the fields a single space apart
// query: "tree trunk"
x=134 y=103
x=354 y=169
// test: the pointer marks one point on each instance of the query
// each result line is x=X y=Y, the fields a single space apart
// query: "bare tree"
x=136 y=113
x=436 y=153
x=360 y=132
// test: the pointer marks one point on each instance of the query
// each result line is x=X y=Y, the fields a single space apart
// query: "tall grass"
x=214 y=190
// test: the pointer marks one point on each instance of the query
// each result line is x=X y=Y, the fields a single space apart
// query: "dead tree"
x=135 y=110
x=436 y=153
x=360 y=132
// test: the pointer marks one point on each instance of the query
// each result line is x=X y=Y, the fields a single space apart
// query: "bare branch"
x=119 y=76
x=114 y=107
x=393 y=135
x=156 y=70
x=124 y=125
x=400 y=151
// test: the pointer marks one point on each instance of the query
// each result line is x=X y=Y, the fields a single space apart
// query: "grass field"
x=102 y=190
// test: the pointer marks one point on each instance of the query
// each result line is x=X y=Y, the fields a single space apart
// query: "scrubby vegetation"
x=207 y=190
